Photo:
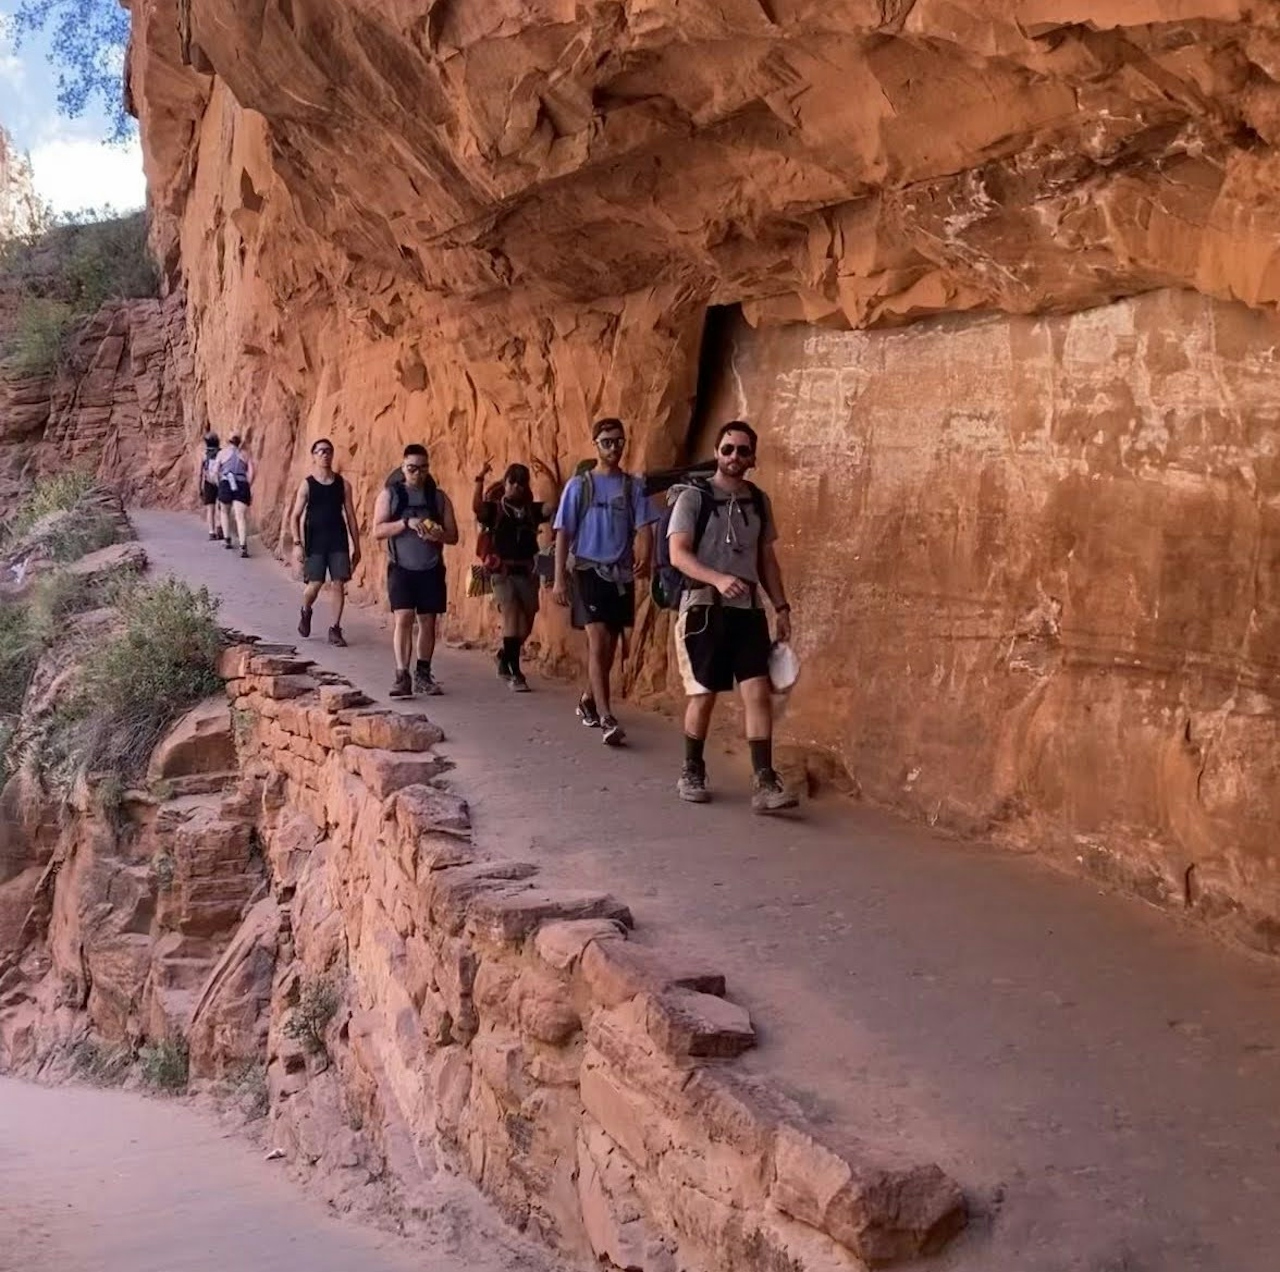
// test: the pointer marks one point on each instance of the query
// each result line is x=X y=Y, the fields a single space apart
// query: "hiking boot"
x=518 y=683
x=613 y=734
x=692 y=786
x=403 y=687
x=244 y=551
x=769 y=795
x=504 y=672
x=336 y=637
x=587 y=712
x=423 y=682
x=217 y=534
x=213 y=537
x=226 y=543
x=304 y=622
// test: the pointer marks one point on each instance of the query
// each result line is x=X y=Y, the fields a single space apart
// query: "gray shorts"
x=517 y=590
x=336 y=565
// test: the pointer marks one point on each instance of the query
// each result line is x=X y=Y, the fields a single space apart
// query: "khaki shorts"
x=517 y=590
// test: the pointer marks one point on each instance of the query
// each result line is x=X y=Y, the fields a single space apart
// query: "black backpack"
x=668 y=583
x=400 y=501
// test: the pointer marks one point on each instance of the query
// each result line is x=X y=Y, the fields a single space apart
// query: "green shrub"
x=165 y=1065
x=38 y=341
x=248 y=1086
x=18 y=654
x=86 y=534
x=96 y=1062
x=317 y=1006
x=64 y=274
x=59 y=493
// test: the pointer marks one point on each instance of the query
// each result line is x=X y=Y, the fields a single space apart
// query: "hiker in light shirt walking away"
x=326 y=536
x=509 y=518
x=415 y=519
x=721 y=536
x=235 y=486
x=207 y=483
x=604 y=540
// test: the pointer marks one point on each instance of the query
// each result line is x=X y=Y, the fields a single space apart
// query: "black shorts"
x=422 y=591
x=208 y=493
x=596 y=600
x=719 y=644
x=240 y=494
x=335 y=565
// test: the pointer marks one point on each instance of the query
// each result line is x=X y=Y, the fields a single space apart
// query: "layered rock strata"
x=481 y=225
x=119 y=406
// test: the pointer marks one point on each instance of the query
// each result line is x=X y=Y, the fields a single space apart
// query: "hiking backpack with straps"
x=668 y=583
x=400 y=501
x=587 y=499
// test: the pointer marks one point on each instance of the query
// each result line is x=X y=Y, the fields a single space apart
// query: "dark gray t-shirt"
x=730 y=543
x=411 y=551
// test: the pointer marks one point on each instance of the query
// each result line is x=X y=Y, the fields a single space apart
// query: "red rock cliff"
x=1032 y=554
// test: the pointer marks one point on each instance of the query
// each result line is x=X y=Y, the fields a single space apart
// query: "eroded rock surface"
x=483 y=224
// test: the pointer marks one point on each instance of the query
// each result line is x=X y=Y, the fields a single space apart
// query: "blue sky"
x=74 y=166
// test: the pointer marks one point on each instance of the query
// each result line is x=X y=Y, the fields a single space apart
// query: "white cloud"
x=13 y=72
x=73 y=173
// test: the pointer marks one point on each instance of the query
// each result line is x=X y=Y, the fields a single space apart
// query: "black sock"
x=761 y=754
x=693 y=748
x=424 y=666
x=511 y=653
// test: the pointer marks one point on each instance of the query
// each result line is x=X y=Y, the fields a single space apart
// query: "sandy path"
x=105 y=1181
x=1099 y=1077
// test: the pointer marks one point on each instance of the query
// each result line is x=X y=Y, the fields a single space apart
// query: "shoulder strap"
x=706 y=506
x=628 y=498
x=399 y=500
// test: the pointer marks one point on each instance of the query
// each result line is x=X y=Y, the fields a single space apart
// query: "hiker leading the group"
x=604 y=539
x=415 y=519
x=235 y=485
x=721 y=537
x=509 y=518
x=326 y=536
x=207 y=482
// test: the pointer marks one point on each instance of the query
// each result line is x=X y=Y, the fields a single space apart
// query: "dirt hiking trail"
x=106 y=1181
x=1099 y=1077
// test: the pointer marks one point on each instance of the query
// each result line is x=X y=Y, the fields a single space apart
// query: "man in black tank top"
x=326 y=536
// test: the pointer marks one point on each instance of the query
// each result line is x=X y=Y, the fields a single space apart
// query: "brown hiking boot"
x=304 y=622
x=769 y=794
x=403 y=687
x=336 y=637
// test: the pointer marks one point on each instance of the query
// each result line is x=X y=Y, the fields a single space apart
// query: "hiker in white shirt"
x=235 y=483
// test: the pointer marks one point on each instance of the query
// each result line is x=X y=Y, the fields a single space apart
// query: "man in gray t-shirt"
x=721 y=536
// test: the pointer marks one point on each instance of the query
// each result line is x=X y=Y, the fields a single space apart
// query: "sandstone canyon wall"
x=1031 y=553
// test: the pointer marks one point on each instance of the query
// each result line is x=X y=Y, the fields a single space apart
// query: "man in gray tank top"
x=415 y=519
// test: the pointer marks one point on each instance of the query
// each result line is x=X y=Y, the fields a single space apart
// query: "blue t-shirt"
x=604 y=532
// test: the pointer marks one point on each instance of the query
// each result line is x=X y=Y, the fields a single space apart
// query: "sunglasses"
x=742 y=452
x=415 y=468
x=611 y=443
x=323 y=450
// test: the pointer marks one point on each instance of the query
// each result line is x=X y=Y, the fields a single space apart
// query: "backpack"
x=587 y=498
x=668 y=583
x=400 y=501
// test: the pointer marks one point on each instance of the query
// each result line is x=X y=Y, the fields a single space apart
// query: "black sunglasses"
x=742 y=452
x=414 y=468
x=323 y=450
x=611 y=443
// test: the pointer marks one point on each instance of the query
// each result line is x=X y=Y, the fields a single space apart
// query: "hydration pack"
x=668 y=583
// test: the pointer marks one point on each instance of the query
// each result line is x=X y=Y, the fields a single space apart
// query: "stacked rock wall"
x=498 y=1024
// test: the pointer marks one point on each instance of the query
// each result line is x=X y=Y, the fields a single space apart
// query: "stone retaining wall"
x=493 y=1023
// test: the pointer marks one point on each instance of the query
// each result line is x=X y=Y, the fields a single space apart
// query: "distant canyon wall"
x=483 y=225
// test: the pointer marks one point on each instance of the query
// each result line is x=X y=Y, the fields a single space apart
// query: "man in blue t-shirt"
x=604 y=539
